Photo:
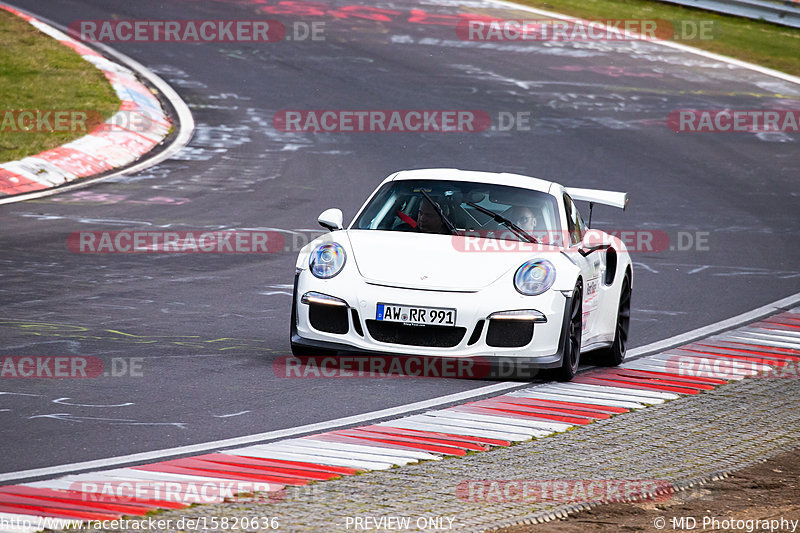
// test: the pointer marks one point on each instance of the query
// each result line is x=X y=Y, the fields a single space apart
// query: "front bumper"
x=477 y=334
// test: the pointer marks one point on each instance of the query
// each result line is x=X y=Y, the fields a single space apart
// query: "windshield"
x=402 y=206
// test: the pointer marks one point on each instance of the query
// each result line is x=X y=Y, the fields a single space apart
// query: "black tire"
x=572 y=346
x=615 y=354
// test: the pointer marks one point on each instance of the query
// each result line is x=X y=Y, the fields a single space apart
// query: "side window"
x=575 y=225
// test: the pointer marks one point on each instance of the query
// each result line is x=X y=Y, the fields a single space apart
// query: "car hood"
x=433 y=262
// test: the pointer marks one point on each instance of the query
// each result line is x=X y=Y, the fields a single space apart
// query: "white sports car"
x=462 y=264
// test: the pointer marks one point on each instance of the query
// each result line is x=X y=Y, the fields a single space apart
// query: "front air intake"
x=328 y=318
x=432 y=336
x=507 y=333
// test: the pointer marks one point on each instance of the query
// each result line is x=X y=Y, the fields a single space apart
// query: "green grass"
x=38 y=72
x=763 y=43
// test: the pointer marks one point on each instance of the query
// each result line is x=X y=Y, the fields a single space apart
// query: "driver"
x=428 y=220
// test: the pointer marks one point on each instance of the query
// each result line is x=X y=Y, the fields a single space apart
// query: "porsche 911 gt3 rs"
x=453 y=263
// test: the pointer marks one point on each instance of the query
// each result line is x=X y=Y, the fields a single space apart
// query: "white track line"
x=259 y=437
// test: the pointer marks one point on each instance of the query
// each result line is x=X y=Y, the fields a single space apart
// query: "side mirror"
x=331 y=219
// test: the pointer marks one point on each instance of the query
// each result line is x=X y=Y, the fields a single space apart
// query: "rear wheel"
x=615 y=354
x=572 y=347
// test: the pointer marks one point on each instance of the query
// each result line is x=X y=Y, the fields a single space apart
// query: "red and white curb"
x=111 y=145
x=770 y=344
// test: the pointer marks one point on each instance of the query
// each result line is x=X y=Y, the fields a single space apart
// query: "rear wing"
x=612 y=198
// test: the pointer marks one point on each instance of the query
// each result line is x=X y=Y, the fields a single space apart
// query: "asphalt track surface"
x=598 y=113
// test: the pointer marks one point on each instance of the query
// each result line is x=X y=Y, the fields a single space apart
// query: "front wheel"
x=615 y=354
x=572 y=347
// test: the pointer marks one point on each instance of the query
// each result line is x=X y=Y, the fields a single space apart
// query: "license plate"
x=422 y=316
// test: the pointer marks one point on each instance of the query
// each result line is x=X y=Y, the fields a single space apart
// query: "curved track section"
x=87 y=160
x=203 y=330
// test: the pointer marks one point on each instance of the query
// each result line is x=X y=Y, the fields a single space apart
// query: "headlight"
x=326 y=260
x=535 y=277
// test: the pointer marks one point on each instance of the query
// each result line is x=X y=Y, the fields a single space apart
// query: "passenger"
x=523 y=217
